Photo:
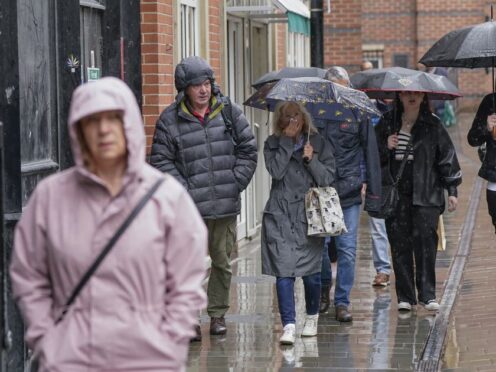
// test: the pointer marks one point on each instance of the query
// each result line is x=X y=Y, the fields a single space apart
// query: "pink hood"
x=109 y=93
x=138 y=310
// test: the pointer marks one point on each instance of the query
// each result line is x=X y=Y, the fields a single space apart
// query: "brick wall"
x=342 y=34
x=391 y=24
x=157 y=40
x=406 y=27
x=281 y=45
x=215 y=58
x=435 y=19
x=157 y=53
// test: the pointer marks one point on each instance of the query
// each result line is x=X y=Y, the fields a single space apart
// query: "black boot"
x=324 y=298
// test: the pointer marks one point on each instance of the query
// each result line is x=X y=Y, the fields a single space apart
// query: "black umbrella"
x=289 y=72
x=322 y=98
x=386 y=82
x=470 y=47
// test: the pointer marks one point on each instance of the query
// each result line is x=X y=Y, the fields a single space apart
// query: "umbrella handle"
x=305 y=158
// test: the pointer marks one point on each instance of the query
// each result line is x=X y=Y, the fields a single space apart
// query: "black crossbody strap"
x=94 y=266
x=405 y=159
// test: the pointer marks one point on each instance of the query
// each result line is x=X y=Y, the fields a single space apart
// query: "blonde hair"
x=277 y=128
x=85 y=152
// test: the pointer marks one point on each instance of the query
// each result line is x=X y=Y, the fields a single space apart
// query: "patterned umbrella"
x=322 y=98
x=386 y=82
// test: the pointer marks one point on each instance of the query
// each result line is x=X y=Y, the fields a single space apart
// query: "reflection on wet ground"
x=378 y=338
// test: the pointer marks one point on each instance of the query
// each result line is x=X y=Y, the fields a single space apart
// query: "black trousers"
x=412 y=234
x=491 y=206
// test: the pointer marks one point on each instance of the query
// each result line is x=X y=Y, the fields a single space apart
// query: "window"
x=189 y=28
x=400 y=60
x=298 y=48
x=375 y=56
x=91 y=15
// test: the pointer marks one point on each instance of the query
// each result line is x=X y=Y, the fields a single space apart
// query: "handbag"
x=323 y=212
x=390 y=195
x=32 y=364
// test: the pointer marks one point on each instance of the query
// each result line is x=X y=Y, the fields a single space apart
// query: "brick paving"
x=471 y=339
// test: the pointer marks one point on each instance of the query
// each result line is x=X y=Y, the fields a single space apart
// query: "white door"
x=235 y=91
x=261 y=126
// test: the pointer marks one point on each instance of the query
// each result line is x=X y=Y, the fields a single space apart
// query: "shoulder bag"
x=323 y=211
x=94 y=266
x=32 y=363
x=389 y=196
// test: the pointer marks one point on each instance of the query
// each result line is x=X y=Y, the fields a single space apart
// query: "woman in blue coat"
x=287 y=252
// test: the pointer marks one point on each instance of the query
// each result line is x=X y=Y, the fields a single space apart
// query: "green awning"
x=298 y=23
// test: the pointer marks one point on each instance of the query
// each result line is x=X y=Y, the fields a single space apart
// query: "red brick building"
x=242 y=40
x=398 y=33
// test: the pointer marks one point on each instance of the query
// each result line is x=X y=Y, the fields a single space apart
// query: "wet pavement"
x=378 y=339
x=471 y=335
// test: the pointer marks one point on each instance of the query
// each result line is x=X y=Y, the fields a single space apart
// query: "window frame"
x=189 y=33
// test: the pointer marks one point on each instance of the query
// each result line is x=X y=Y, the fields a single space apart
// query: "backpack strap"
x=227 y=116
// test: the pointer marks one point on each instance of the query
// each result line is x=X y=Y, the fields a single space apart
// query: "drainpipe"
x=317 y=33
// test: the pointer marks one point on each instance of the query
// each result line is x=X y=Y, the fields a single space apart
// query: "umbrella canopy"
x=289 y=72
x=471 y=47
x=386 y=82
x=322 y=98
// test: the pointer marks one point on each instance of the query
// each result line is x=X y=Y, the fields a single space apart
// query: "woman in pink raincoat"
x=138 y=310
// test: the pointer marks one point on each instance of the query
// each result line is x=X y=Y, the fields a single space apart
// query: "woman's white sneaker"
x=310 y=327
x=288 y=337
x=431 y=305
x=404 y=306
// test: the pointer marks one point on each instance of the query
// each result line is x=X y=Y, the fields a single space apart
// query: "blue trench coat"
x=287 y=251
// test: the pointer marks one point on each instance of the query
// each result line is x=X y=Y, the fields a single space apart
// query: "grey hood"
x=192 y=70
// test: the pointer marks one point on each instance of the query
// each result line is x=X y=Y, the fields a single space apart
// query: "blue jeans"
x=326 y=272
x=380 y=245
x=285 y=297
x=346 y=248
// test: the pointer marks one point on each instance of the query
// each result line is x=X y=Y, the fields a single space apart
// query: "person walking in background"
x=378 y=234
x=138 y=309
x=295 y=166
x=353 y=143
x=206 y=142
x=431 y=167
x=483 y=131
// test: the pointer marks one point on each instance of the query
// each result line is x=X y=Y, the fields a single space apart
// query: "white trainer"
x=404 y=306
x=310 y=327
x=288 y=337
x=431 y=305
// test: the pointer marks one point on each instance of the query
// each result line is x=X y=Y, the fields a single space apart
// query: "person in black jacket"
x=211 y=150
x=354 y=144
x=432 y=167
x=483 y=126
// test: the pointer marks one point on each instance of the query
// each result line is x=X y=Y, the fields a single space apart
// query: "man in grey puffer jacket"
x=208 y=145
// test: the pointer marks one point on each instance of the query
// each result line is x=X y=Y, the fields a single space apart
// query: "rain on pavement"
x=379 y=338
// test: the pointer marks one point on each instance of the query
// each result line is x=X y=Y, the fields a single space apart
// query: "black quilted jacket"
x=212 y=164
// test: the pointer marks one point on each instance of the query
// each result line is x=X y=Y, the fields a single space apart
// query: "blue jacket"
x=354 y=142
